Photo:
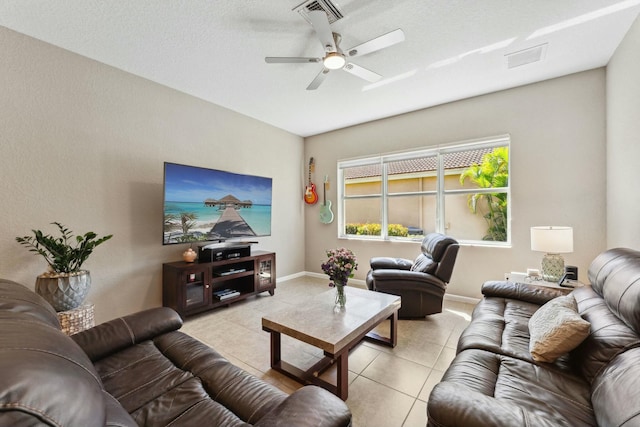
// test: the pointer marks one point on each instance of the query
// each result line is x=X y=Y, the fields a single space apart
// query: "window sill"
x=465 y=243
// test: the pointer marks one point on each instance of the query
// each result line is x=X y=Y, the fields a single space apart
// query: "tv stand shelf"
x=191 y=288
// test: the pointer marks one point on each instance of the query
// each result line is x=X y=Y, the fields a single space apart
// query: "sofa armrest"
x=389 y=280
x=528 y=292
x=117 y=334
x=309 y=406
x=449 y=405
x=377 y=263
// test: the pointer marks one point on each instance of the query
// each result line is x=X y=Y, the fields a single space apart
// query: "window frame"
x=382 y=160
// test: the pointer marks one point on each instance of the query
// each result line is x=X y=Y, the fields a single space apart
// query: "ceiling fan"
x=335 y=58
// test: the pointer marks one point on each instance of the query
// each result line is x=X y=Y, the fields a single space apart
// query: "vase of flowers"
x=340 y=265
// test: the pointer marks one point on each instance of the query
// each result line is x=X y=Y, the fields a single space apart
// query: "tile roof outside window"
x=455 y=160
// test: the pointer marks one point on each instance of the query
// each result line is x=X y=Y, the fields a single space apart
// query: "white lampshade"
x=552 y=239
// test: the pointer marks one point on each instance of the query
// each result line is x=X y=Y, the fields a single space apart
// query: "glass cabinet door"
x=196 y=289
x=265 y=272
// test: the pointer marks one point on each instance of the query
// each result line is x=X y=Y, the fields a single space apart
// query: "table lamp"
x=553 y=241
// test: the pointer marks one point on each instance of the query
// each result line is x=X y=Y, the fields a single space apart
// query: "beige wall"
x=84 y=144
x=623 y=142
x=557 y=157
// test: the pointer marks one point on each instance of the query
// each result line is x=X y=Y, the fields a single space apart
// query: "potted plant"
x=66 y=285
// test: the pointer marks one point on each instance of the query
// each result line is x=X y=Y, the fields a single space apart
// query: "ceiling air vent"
x=526 y=56
x=331 y=9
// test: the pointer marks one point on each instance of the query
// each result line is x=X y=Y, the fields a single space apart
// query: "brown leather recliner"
x=421 y=283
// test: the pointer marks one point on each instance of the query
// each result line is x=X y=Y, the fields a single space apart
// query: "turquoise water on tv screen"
x=258 y=216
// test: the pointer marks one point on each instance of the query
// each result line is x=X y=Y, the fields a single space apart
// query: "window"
x=461 y=190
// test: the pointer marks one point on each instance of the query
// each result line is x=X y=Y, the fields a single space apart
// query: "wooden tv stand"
x=191 y=288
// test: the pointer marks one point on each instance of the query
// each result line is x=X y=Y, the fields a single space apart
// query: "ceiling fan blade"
x=289 y=60
x=320 y=23
x=362 y=72
x=319 y=79
x=385 y=40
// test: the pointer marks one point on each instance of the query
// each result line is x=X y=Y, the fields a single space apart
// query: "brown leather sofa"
x=135 y=370
x=421 y=283
x=494 y=381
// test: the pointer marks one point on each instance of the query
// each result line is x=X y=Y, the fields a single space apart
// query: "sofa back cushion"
x=45 y=376
x=434 y=245
x=15 y=298
x=609 y=335
x=615 y=394
x=615 y=276
x=438 y=256
x=118 y=334
x=424 y=264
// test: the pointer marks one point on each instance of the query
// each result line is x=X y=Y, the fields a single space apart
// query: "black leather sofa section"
x=135 y=370
x=493 y=381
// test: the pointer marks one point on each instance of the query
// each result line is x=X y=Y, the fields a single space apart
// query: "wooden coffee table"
x=316 y=322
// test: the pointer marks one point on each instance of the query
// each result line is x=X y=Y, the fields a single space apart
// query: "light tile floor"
x=388 y=387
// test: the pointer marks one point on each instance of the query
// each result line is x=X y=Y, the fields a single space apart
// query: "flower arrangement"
x=340 y=265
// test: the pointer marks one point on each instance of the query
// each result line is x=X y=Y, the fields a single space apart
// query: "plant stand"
x=77 y=319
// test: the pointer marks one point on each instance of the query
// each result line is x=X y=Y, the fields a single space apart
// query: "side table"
x=77 y=319
x=523 y=278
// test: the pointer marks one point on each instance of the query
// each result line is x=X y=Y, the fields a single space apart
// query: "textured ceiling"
x=215 y=49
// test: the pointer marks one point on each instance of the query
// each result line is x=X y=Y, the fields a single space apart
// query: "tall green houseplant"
x=492 y=172
x=66 y=285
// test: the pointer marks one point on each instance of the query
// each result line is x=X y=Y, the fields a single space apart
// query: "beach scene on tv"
x=212 y=205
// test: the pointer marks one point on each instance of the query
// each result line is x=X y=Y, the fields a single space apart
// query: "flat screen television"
x=208 y=205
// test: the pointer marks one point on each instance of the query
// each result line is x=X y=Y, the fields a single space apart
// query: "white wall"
x=557 y=130
x=623 y=142
x=84 y=144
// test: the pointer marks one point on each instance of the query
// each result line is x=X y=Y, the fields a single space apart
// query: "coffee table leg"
x=342 y=376
x=392 y=339
x=276 y=354
x=393 y=329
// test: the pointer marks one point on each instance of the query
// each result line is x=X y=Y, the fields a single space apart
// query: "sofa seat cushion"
x=482 y=388
x=556 y=328
x=174 y=377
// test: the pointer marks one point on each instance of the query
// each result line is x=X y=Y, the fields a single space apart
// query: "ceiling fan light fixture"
x=334 y=61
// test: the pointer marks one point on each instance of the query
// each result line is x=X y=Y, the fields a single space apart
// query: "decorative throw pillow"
x=556 y=328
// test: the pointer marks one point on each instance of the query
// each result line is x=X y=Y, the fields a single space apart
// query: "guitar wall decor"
x=326 y=216
x=310 y=195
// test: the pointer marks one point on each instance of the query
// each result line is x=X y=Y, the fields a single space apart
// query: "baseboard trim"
x=362 y=284
x=290 y=277
x=460 y=298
